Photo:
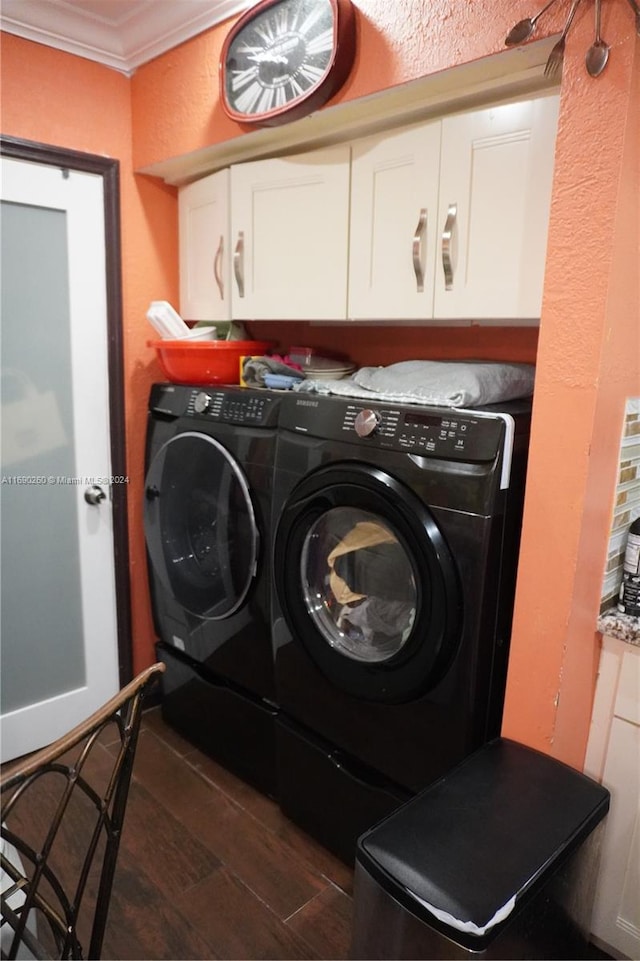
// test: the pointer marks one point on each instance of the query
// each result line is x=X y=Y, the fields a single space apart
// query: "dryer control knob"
x=366 y=422
x=201 y=402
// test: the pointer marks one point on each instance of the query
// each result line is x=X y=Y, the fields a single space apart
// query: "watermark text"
x=61 y=480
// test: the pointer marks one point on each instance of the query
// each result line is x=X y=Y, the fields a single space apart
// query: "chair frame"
x=125 y=711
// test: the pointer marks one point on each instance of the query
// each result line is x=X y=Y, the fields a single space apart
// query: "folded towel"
x=255 y=369
x=280 y=381
x=441 y=383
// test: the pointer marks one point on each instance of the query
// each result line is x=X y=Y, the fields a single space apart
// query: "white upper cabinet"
x=443 y=222
x=394 y=214
x=289 y=231
x=203 y=218
x=496 y=174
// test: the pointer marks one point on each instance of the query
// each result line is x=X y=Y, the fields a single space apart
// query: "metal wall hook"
x=597 y=54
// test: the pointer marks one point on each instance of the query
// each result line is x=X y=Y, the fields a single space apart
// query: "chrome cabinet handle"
x=417 y=250
x=447 y=246
x=238 y=263
x=217 y=262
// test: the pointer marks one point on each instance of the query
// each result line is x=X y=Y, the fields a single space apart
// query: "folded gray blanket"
x=441 y=383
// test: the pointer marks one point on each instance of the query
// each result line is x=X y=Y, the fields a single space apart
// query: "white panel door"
x=203 y=209
x=495 y=191
x=59 y=629
x=394 y=212
x=290 y=231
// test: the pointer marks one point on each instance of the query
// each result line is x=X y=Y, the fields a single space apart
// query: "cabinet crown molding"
x=508 y=75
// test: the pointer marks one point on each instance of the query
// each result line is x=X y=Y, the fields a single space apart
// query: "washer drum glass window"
x=200 y=525
x=366 y=582
x=359 y=584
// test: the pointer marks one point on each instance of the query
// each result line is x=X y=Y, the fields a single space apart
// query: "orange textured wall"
x=588 y=341
x=588 y=363
x=587 y=352
x=55 y=98
x=176 y=105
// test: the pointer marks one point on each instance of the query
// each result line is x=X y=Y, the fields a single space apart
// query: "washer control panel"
x=442 y=434
x=447 y=433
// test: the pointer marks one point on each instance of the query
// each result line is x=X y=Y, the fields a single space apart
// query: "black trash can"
x=497 y=859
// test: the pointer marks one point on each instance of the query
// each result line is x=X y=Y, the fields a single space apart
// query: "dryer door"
x=367 y=583
x=200 y=525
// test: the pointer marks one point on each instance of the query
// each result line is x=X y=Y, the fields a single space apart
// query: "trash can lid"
x=474 y=844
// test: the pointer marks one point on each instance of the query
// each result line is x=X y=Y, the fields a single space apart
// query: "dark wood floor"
x=210 y=868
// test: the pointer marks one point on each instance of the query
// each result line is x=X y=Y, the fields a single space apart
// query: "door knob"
x=94 y=494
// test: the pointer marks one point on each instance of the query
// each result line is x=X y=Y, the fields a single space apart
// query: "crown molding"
x=119 y=35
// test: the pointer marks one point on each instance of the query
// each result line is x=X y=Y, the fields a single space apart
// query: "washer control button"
x=201 y=402
x=366 y=422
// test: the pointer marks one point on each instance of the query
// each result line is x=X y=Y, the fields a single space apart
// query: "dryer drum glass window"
x=358 y=584
x=200 y=525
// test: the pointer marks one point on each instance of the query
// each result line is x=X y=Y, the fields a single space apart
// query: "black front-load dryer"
x=395 y=549
x=207 y=510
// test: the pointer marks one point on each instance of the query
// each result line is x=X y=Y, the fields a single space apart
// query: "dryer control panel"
x=229 y=408
x=228 y=405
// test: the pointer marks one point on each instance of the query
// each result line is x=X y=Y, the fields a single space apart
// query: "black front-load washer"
x=396 y=533
x=207 y=510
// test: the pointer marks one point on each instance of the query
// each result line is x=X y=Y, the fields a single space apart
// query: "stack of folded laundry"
x=290 y=371
x=273 y=371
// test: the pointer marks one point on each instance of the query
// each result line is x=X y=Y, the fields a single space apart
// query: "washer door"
x=367 y=583
x=200 y=525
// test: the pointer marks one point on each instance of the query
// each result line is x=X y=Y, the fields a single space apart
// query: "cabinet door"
x=290 y=219
x=616 y=913
x=495 y=191
x=394 y=199
x=613 y=756
x=203 y=215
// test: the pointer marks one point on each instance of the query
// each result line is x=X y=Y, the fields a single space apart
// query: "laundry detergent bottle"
x=629 y=599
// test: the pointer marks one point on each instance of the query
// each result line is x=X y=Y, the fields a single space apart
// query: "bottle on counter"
x=629 y=599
